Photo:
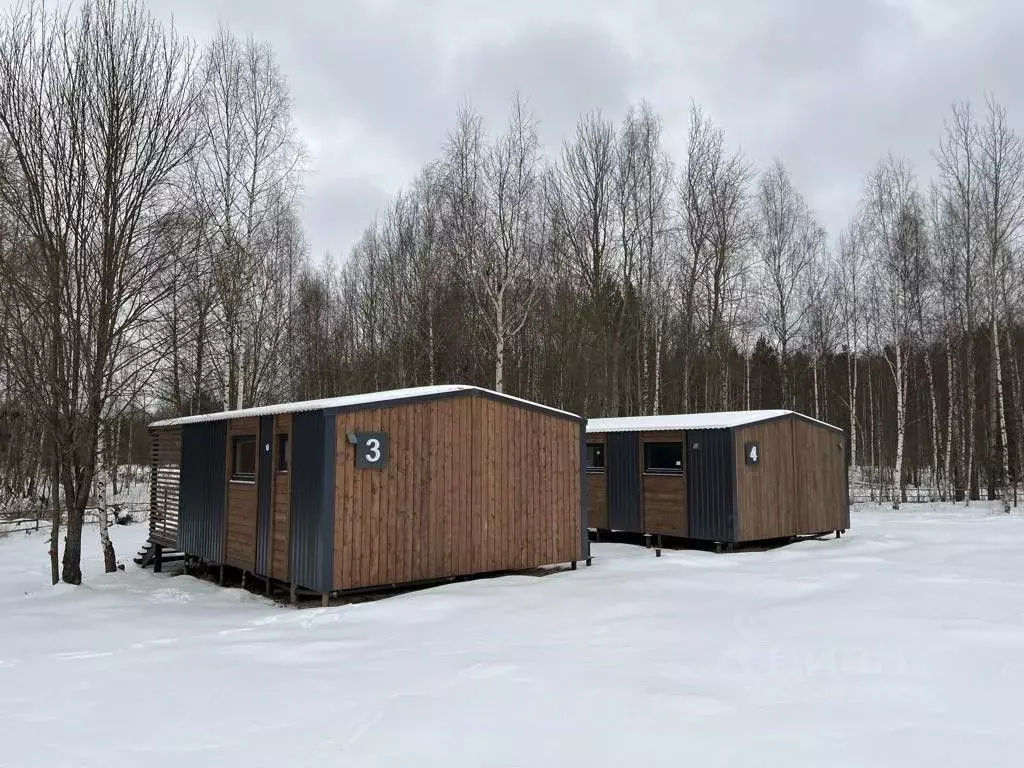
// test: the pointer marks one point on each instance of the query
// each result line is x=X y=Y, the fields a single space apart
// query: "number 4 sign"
x=752 y=452
x=371 y=450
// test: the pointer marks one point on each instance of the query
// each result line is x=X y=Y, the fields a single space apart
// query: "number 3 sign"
x=371 y=450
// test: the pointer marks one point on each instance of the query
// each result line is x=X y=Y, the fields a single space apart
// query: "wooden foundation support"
x=158 y=558
x=293 y=593
x=325 y=600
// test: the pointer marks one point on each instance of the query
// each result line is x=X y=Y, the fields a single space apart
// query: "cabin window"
x=282 y=453
x=595 y=457
x=243 y=457
x=663 y=458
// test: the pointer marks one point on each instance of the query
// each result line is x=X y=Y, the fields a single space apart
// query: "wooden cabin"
x=727 y=478
x=373 y=490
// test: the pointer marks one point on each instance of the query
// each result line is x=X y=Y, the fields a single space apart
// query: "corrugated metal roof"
x=684 y=421
x=347 y=401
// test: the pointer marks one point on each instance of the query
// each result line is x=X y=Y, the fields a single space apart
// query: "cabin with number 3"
x=725 y=478
x=372 y=490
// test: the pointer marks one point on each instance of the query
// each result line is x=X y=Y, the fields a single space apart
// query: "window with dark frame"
x=595 y=457
x=663 y=458
x=282 y=453
x=243 y=457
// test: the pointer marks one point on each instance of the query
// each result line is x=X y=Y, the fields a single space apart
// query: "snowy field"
x=901 y=644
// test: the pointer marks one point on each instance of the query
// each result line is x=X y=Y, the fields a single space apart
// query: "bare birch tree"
x=246 y=180
x=1001 y=213
x=582 y=215
x=958 y=184
x=789 y=241
x=896 y=240
x=503 y=245
x=97 y=114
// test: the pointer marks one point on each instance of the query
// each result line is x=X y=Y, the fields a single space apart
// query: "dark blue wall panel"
x=711 y=487
x=201 y=490
x=622 y=468
x=312 y=502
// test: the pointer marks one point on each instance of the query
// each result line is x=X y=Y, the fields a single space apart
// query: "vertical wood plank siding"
x=820 y=470
x=240 y=528
x=799 y=485
x=165 y=463
x=766 y=493
x=280 y=517
x=597 y=500
x=472 y=485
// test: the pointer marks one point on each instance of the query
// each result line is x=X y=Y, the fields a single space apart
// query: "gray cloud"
x=826 y=86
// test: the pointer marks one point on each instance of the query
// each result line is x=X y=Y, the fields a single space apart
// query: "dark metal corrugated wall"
x=266 y=475
x=584 y=522
x=312 y=502
x=201 y=490
x=622 y=468
x=711 y=485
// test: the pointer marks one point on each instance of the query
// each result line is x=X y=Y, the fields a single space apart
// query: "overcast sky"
x=828 y=87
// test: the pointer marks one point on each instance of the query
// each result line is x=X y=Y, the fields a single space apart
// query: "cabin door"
x=711 y=486
x=622 y=468
x=265 y=477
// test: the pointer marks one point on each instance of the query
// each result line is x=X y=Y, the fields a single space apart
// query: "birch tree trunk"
x=1016 y=393
x=851 y=367
x=107 y=546
x=947 y=493
x=658 y=340
x=901 y=426
x=499 y=341
x=817 y=394
x=55 y=519
x=1001 y=415
x=934 y=483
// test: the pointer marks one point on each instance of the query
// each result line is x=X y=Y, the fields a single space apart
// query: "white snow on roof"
x=684 y=421
x=347 y=401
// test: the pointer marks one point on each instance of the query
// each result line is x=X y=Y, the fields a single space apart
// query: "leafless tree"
x=894 y=226
x=96 y=113
x=582 y=217
x=1001 y=214
x=789 y=243
x=246 y=179
x=644 y=174
x=958 y=184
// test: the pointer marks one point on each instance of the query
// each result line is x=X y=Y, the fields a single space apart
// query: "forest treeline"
x=611 y=278
x=154 y=263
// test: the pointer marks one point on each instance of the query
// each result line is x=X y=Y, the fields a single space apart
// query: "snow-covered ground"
x=901 y=644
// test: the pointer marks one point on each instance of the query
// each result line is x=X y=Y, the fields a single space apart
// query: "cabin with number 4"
x=726 y=478
x=373 y=490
